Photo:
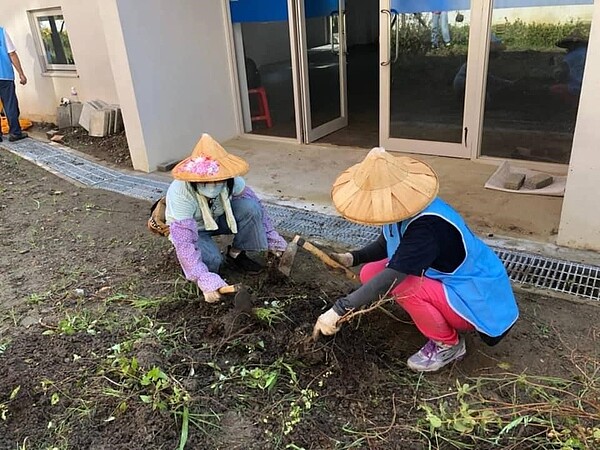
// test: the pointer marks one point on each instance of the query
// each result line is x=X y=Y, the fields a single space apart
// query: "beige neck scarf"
x=209 y=221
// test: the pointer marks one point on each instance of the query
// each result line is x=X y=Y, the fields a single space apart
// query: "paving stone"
x=514 y=181
x=51 y=133
x=538 y=181
x=167 y=166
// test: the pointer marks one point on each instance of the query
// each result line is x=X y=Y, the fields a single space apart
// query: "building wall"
x=39 y=98
x=580 y=219
x=172 y=66
x=544 y=14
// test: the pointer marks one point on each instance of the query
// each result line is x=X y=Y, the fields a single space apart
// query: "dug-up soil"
x=103 y=345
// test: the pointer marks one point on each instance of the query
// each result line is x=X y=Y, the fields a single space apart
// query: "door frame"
x=474 y=89
x=300 y=72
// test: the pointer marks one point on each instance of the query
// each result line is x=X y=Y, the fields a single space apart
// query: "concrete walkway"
x=294 y=182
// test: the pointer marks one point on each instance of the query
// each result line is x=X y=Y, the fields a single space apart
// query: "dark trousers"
x=11 y=106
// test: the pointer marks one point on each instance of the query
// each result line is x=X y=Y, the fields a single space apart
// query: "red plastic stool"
x=264 y=113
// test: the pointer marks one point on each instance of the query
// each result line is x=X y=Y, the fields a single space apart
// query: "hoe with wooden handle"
x=287 y=258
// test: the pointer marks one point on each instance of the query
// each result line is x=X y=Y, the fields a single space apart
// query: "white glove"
x=212 y=297
x=345 y=259
x=326 y=324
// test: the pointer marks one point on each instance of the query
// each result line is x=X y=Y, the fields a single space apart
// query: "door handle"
x=332 y=17
x=389 y=14
x=342 y=32
x=394 y=22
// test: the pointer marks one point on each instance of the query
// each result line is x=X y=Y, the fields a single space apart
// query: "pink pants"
x=425 y=300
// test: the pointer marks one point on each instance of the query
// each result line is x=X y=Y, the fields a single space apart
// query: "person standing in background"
x=8 y=96
x=569 y=74
x=439 y=22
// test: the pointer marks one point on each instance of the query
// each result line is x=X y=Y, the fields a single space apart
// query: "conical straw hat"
x=209 y=162
x=384 y=189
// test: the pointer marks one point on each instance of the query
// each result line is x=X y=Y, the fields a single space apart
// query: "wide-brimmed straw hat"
x=384 y=189
x=574 y=38
x=209 y=162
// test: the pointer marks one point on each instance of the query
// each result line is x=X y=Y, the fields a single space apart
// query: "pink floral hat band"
x=201 y=165
x=209 y=162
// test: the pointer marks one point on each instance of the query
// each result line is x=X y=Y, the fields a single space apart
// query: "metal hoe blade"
x=243 y=301
x=287 y=259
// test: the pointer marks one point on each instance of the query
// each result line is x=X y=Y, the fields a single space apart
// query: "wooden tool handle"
x=325 y=258
x=229 y=289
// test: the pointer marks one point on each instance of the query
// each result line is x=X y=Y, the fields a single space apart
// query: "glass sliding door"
x=261 y=34
x=423 y=66
x=321 y=49
x=291 y=62
x=536 y=64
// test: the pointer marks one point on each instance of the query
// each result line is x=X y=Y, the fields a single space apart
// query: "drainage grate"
x=311 y=224
x=79 y=169
x=563 y=276
x=32 y=150
x=135 y=186
x=558 y=275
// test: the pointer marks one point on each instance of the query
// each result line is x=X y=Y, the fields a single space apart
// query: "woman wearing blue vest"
x=446 y=278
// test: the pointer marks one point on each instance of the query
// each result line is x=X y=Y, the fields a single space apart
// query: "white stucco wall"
x=538 y=14
x=94 y=79
x=544 y=14
x=580 y=219
x=172 y=67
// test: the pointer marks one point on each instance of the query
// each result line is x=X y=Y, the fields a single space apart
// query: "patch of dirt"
x=103 y=345
x=113 y=149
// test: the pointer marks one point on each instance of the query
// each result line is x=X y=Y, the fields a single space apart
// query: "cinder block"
x=86 y=114
x=99 y=121
x=51 y=133
x=87 y=110
x=538 y=181
x=514 y=181
x=118 y=119
x=63 y=116
x=167 y=166
x=76 y=108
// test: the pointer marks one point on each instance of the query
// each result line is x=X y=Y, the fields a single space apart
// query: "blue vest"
x=479 y=289
x=6 y=68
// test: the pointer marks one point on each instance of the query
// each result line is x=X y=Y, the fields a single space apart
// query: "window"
x=53 y=44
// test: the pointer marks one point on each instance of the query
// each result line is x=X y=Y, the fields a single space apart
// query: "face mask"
x=210 y=190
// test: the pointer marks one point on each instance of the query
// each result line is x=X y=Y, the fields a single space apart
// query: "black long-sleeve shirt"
x=428 y=242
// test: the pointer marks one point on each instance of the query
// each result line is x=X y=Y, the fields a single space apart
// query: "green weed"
x=257 y=377
x=274 y=313
x=74 y=323
x=544 y=412
x=4 y=343
x=4 y=406
x=36 y=299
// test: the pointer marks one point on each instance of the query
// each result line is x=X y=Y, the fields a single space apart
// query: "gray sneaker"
x=433 y=356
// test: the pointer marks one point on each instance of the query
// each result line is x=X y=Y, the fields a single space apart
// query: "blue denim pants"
x=11 y=106
x=440 y=22
x=251 y=235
